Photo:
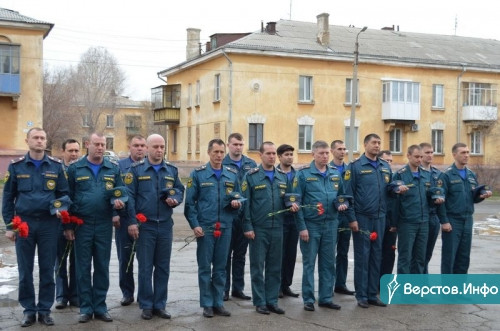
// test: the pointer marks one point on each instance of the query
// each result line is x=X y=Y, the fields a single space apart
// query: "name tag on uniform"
x=456 y=181
x=144 y=178
x=366 y=171
x=335 y=178
x=108 y=178
x=23 y=176
x=169 y=178
x=282 y=185
x=50 y=175
x=260 y=187
x=228 y=184
x=206 y=184
x=310 y=179
x=78 y=179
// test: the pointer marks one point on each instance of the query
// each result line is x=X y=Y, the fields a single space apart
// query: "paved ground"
x=183 y=301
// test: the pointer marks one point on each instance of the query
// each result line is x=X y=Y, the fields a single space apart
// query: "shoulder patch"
x=203 y=167
x=135 y=164
x=253 y=171
x=347 y=175
x=232 y=170
x=128 y=178
x=383 y=161
x=423 y=169
x=55 y=159
x=170 y=164
x=448 y=169
x=18 y=159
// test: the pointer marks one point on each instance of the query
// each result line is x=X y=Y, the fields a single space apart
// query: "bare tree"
x=59 y=121
x=98 y=80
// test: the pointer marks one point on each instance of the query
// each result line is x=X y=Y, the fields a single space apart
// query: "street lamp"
x=354 y=95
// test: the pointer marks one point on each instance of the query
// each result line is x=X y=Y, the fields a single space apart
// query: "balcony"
x=166 y=102
x=400 y=111
x=479 y=104
x=167 y=116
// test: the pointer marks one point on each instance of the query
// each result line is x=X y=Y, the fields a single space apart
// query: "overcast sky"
x=147 y=36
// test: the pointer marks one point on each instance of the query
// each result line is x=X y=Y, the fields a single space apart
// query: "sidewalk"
x=183 y=301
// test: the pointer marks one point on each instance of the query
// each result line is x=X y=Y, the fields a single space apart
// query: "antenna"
x=290 y=10
x=456 y=24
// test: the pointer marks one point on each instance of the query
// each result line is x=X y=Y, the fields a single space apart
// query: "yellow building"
x=127 y=119
x=290 y=82
x=21 y=72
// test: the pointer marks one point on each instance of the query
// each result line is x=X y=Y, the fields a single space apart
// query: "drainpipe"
x=167 y=131
x=229 y=125
x=459 y=79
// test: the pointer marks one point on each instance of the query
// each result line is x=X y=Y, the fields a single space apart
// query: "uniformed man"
x=264 y=188
x=338 y=149
x=31 y=183
x=434 y=224
x=460 y=185
x=124 y=243
x=66 y=291
x=91 y=182
x=148 y=181
x=411 y=213
x=238 y=249
x=290 y=233
x=366 y=180
x=209 y=189
x=390 y=233
x=319 y=183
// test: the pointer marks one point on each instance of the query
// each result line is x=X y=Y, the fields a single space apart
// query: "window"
x=85 y=120
x=190 y=96
x=347 y=138
x=305 y=89
x=305 y=137
x=198 y=90
x=9 y=69
x=217 y=88
x=476 y=139
x=174 y=141
x=189 y=140
x=348 y=91
x=437 y=141
x=437 y=96
x=110 y=121
x=255 y=135
x=396 y=91
x=109 y=143
x=395 y=140
x=479 y=94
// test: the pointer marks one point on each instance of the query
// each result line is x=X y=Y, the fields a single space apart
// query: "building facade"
x=21 y=81
x=291 y=82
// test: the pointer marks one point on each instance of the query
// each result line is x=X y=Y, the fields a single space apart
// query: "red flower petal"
x=23 y=230
x=373 y=236
x=16 y=221
x=217 y=233
x=217 y=225
x=65 y=218
x=141 y=218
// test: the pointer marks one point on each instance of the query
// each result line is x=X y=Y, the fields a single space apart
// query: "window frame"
x=303 y=145
x=110 y=123
x=476 y=138
x=347 y=130
x=10 y=68
x=348 y=92
x=306 y=89
x=198 y=91
x=255 y=136
x=190 y=96
x=217 y=83
x=395 y=135
x=438 y=93
x=110 y=143
x=437 y=141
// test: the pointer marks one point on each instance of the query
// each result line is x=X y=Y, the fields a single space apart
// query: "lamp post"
x=354 y=95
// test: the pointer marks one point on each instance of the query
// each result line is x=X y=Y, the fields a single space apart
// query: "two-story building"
x=291 y=82
x=21 y=81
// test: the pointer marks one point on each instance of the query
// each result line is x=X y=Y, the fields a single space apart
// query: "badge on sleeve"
x=128 y=178
x=244 y=186
x=347 y=175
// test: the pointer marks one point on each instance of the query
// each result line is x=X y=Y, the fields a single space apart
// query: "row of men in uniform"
x=148 y=178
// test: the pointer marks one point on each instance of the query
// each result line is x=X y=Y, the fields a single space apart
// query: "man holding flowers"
x=31 y=183
x=92 y=181
x=265 y=188
x=154 y=190
x=212 y=203
x=319 y=183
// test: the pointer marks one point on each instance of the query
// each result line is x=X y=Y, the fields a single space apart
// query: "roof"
x=7 y=15
x=294 y=38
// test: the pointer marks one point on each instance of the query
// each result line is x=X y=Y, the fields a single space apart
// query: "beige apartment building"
x=291 y=82
x=21 y=81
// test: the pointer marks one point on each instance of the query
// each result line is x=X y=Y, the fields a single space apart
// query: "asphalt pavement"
x=183 y=297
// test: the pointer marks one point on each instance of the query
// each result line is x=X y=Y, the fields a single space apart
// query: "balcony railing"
x=479 y=104
x=167 y=116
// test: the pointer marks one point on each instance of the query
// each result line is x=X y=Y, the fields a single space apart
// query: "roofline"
x=335 y=57
x=47 y=27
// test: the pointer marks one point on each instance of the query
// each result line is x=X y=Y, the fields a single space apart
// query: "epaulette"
x=203 y=167
x=114 y=162
x=331 y=166
x=400 y=171
x=22 y=158
x=380 y=159
x=448 y=169
x=356 y=160
x=55 y=159
x=136 y=163
x=307 y=166
x=422 y=168
x=232 y=170
x=253 y=171
x=280 y=171
x=170 y=164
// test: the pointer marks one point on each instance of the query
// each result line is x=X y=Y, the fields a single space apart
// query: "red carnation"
x=217 y=225
x=23 y=230
x=65 y=218
x=373 y=236
x=16 y=221
x=76 y=220
x=320 y=208
x=217 y=233
x=141 y=218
